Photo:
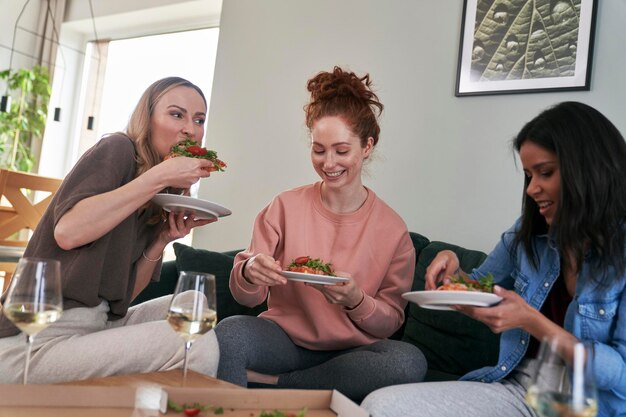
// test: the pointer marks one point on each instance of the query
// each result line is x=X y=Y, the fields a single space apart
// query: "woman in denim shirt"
x=560 y=270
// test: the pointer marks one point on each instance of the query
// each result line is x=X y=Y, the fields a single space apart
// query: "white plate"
x=201 y=209
x=442 y=300
x=313 y=278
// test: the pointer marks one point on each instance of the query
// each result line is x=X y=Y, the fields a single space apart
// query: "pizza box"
x=95 y=401
x=250 y=402
x=58 y=400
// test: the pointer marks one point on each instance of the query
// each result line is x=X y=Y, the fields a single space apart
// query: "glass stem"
x=29 y=347
x=187 y=347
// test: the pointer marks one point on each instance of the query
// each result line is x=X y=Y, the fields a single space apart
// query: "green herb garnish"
x=484 y=284
x=314 y=263
x=278 y=413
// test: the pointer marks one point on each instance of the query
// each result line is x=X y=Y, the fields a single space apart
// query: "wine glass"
x=33 y=300
x=193 y=309
x=562 y=387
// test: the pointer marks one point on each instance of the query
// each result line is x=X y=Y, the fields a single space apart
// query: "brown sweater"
x=104 y=269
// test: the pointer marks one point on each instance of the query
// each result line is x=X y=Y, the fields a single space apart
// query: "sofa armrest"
x=165 y=285
x=219 y=264
x=200 y=260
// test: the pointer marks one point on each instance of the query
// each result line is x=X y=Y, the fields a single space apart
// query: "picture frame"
x=525 y=46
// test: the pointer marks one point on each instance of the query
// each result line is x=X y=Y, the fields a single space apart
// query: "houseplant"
x=22 y=126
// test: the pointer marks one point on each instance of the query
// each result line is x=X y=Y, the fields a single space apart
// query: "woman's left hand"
x=178 y=225
x=512 y=312
x=346 y=294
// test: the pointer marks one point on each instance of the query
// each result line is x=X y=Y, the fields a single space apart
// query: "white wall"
x=24 y=54
x=444 y=163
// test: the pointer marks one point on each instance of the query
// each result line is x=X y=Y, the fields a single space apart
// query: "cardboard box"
x=151 y=400
x=250 y=402
x=57 y=400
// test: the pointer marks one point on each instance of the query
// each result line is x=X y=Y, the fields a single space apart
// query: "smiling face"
x=541 y=166
x=179 y=114
x=337 y=154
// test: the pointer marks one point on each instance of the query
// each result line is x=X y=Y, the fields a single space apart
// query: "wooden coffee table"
x=173 y=378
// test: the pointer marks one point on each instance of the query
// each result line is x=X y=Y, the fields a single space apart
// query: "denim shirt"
x=595 y=314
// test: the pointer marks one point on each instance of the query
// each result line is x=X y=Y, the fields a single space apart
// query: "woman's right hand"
x=445 y=264
x=264 y=270
x=180 y=172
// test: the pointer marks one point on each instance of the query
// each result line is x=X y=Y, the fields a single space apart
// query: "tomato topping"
x=308 y=265
x=191 y=149
x=191 y=411
x=197 y=150
x=302 y=260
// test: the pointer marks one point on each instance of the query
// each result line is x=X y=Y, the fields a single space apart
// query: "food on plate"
x=278 y=413
x=461 y=283
x=308 y=265
x=191 y=410
x=191 y=149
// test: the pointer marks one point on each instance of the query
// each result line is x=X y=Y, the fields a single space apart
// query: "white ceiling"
x=116 y=23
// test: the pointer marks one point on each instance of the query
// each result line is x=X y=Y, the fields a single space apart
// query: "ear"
x=369 y=147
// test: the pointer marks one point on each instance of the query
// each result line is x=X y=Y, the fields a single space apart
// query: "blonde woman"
x=109 y=239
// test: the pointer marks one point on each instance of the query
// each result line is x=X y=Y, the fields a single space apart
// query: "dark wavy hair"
x=592 y=205
x=346 y=95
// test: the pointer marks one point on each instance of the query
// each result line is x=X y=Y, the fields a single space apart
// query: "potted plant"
x=22 y=126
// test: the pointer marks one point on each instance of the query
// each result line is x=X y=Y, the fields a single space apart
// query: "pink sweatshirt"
x=372 y=244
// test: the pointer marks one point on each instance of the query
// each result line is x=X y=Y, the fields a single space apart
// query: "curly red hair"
x=346 y=95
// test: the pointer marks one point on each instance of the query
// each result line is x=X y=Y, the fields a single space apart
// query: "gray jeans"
x=83 y=344
x=456 y=398
x=261 y=345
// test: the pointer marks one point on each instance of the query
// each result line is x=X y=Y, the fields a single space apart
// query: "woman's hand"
x=515 y=313
x=511 y=313
x=179 y=225
x=264 y=270
x=445 y=264
x=180 y=172
x=346 y=294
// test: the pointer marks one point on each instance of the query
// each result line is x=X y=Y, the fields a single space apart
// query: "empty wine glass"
x=193 y=309
x=34 y=299
x=562 y=387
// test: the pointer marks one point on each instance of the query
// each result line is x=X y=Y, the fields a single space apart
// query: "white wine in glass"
x=562 y=387
x=34 y=299
x=193 y=309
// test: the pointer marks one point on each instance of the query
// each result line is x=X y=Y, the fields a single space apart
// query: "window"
x=133 y=64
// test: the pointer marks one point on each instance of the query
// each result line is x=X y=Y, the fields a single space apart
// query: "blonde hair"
x=138 y=129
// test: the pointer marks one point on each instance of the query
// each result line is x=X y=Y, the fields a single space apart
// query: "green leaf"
x=26 y=120
x=525 y=39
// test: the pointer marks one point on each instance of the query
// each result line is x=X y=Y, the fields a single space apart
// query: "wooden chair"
x=23 y=200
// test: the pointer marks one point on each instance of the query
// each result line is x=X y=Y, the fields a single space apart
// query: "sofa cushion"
x=419 y=243
x=218 y=264
x=164 y=286
x=453 y=343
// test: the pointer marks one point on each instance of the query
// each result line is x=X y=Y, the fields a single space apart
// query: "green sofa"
x=452 y=343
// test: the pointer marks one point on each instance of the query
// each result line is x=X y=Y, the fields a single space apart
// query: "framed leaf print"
x=522 y=46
